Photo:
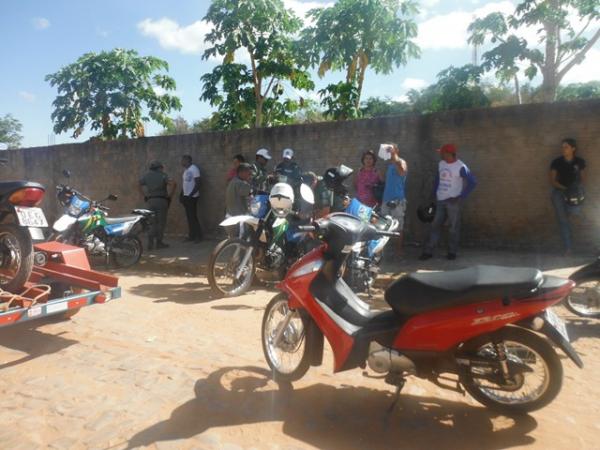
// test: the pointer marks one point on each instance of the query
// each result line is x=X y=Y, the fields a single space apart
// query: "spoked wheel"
x=126 y=251
x=584 y=299
x=535 y=372
x=16 y=257
x=284 y=340
x=231 y=268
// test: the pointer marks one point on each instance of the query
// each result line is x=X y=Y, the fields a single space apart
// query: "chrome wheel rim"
x=527 y=387
x=11 y=257
x=228 y=273
x=286 y=355
x=585 y=298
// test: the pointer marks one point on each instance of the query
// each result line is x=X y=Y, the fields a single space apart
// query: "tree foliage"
x=354 y=35
x=10 y=131
x=378 y=107
x=254 y=95
x=561 y=46
x=456 y=88
x=578 y=91
x=114 y=93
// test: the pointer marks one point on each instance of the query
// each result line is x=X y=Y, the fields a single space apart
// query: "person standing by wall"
x=394 y=194
x=190 y=193
x=566 y=178
x=366 y=179
x=235 y=163
x=454 y=182
x=157 y=188
x=237 y=194
x=260 y=176
x=288 y=170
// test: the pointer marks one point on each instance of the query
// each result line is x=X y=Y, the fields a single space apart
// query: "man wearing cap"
x=157 y=189
x=288 y=171
x=454 y=182
x=237 y=193
x=260 y=177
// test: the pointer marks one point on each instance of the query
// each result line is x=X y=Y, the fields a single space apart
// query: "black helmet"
x=335 y=176
x=426 y=213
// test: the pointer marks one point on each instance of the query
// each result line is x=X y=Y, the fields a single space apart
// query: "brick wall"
x=509 y=149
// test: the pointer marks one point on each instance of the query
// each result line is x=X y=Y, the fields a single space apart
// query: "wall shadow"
x=336 y=418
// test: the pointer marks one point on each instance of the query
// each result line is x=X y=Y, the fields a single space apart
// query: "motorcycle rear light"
x=27 y=197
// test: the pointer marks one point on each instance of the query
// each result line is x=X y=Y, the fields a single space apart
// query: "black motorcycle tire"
x=574 y=310
x=25 y=243
x=212 y=281
x=132 y=241
x=534 y=342
x=304 y=363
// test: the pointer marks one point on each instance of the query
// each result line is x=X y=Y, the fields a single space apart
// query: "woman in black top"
x=566 y=174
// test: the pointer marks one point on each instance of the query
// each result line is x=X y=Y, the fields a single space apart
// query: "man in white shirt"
x=453 y=184
x=189 y=198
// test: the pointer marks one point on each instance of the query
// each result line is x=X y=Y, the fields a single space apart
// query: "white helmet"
x=282 y=199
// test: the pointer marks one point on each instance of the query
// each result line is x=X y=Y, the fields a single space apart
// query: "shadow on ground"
x=579 y=327
x=27 y=339
x=184 y=293
x=335 y=418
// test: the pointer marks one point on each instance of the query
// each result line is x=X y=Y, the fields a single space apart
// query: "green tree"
x=576 y=91
x=382 y=107
x=456 y=88
x=563 y=46
x=10 y=131
x=355 y=35
x=254 y=95
x=114 y=93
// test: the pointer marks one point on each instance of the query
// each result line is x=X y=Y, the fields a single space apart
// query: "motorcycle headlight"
x=254 y=207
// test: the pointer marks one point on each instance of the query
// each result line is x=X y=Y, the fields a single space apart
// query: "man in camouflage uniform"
x=260 y=178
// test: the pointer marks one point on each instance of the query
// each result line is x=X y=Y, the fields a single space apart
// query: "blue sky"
x=39 y=37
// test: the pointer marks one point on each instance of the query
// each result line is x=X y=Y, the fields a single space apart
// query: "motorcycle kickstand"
x=398 y=381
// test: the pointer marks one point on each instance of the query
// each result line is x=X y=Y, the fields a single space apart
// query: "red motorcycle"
x=487 y=329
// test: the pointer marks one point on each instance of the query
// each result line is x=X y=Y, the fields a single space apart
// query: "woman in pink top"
x=366 y=178
x=237 y=160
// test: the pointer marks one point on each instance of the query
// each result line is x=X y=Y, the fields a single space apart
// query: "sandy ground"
x=167 y=366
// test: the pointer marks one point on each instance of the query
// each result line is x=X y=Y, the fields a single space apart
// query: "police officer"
x=260 y=179
x=288 y=170
x=157 y=189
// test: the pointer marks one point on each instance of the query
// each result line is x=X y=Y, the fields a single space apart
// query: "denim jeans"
x=445 y=209
x=563 y=211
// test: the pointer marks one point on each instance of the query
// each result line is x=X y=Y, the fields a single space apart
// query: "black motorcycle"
x=584 y=299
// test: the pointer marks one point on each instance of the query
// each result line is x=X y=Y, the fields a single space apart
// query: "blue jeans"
x=445 y=209
x=563 y=211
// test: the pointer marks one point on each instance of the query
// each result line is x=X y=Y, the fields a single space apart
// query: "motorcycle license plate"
x=31 y=217
x=553 y=319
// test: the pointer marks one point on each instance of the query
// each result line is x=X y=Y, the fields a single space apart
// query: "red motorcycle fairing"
x=441 y=330
x=296 y=284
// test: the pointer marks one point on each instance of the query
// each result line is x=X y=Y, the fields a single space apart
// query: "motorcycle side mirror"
x=66 y=173
x=112 y=197
x=307 y=194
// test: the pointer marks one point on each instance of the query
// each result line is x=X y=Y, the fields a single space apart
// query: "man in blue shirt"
x=453 y=183
x=394 y=196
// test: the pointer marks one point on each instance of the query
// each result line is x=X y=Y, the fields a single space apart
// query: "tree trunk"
x=550 y=68
x=518 y=91
x=361 y=80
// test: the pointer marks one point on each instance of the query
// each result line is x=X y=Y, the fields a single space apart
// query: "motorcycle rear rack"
x=64 y=265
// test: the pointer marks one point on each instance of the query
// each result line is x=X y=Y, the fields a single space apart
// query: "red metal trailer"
x=61 y=283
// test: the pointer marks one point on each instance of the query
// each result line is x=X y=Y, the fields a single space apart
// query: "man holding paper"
x=394 y=195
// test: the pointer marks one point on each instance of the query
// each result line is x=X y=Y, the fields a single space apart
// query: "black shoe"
x=451 y=256
x=425 y=256
x=161 y=245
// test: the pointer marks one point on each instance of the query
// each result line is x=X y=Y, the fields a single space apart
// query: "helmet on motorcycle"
x=426 y=213
x=335 y=176
x=282 y=199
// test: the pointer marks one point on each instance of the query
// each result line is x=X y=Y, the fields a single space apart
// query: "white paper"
x=385 y=151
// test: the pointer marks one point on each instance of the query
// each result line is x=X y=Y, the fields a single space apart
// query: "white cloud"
x=588 y=70
x=449 y=31
x=40 y=23
x=301 y=8
x=27 y=96
x=172 y=36
x=414 y=83
x=429 y=3
x=401 y=98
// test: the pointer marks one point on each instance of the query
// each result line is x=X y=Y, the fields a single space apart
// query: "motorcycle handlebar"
x=307 y=228
x=389 y=233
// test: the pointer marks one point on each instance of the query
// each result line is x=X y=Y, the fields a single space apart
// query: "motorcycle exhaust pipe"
x=383 y=360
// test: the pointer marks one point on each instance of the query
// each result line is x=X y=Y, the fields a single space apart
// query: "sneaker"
x=425 y=256
x=451 y=256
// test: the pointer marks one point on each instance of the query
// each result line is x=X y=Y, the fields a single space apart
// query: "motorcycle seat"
x=115 y=220
x=417 y=293
x=8 y=187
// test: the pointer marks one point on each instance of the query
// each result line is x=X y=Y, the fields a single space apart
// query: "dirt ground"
x=167 y=366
